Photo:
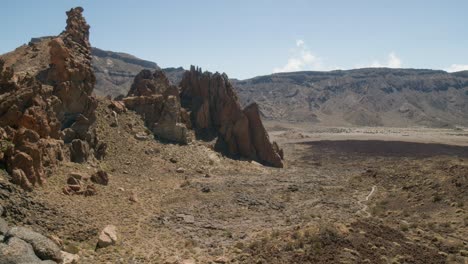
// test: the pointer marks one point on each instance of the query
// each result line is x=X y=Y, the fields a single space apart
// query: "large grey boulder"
x=3 y=226
x=44 y=248
x=17 y=251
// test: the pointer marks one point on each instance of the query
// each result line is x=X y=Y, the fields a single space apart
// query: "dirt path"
x=365 y=206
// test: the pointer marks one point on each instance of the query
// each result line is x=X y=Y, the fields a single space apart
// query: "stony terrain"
x=187 y=204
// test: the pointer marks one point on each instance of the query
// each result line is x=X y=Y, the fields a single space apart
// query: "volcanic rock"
x=100 y=177
x=107 y=237
x=47 y=103
x=216 y=111
x=43 y=247
x=157 y=101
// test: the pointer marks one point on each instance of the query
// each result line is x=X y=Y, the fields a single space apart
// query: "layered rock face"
x=49 y=107
x=157 y=101
x=215 y=111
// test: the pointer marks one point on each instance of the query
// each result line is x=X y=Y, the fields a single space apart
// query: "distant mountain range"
x=115 y=71
x=361 y=97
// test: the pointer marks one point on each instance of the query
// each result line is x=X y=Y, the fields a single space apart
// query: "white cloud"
x=457 y=67
x=301 y=59
x=393 y=61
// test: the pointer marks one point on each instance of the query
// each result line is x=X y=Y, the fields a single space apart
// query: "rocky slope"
x=363 y=97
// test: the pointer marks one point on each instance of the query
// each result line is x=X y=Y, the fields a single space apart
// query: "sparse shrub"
x=239 y=245
x=436 y=198
x=5 y=144
x=185 y=184
x=404 y=227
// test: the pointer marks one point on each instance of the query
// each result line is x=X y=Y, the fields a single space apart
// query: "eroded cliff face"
x=47 y=112
x=215 y=111
x=157 y=101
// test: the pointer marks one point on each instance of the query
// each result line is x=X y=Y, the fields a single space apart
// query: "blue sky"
x=246 y=38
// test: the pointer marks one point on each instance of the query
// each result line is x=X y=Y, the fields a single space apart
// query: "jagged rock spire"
x=77 y=29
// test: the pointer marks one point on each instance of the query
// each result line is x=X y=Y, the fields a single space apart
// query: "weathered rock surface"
x=267 y=152
x=16 y=251
x=107 y=237
x=48 y=103
x=78 y=183
x=3 y=227
x=100 y=177
x=216 y=111
x=43 y=247
x=153 y=97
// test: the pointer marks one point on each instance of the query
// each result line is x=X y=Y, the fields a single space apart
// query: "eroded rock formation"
x=44 y=110
x=215 y=111
x=157 y=101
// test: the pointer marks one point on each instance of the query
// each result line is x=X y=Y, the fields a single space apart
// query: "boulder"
x=100 y=177
x=43 y=247
x=107 y=237
x=17 y=251
x=3 y=226
x=79 y=151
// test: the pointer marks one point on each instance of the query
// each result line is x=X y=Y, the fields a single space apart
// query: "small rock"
x=133 y=198
x=79 y=176
x=207 y=175
x=180 y=170
x=293 y=188
x=173 y=160
x=188 y=261
x=221 y=260
x=100 y=177
x=121 y=189
x=206 y=189
x=108 y=237
x=69 y=258
x=141 y=136
x=2 y=210
x=189 y=219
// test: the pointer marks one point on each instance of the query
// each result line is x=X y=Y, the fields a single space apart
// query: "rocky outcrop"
x=48 y=110
x=73 y=79
x=157 y=101
x=215 y=111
